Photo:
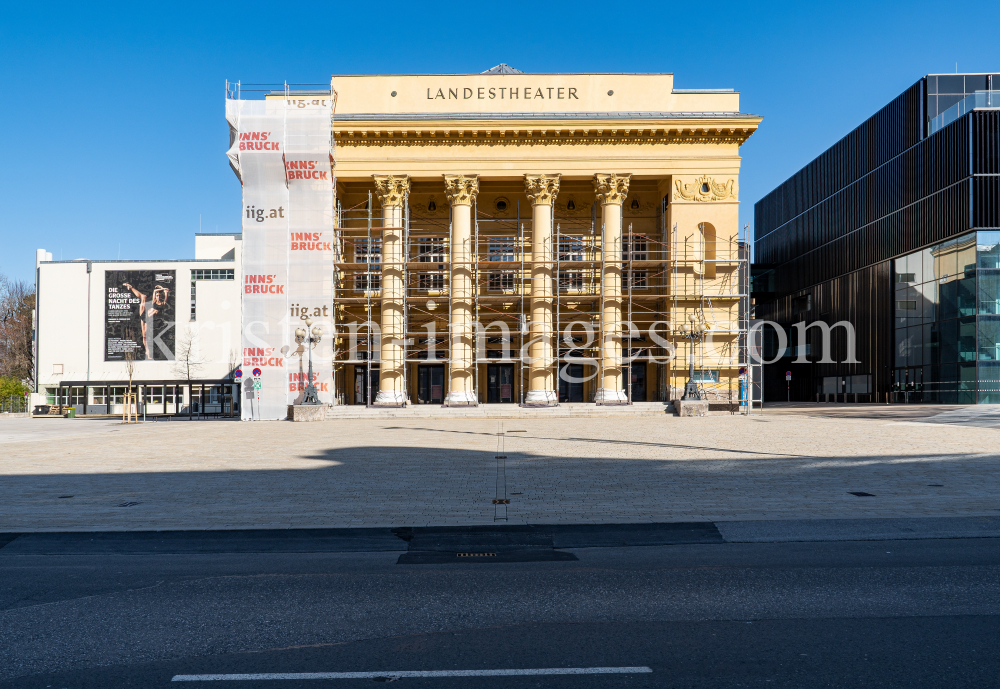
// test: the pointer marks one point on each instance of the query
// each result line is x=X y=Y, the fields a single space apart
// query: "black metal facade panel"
x=986 y=167
x=919 y=197
x=986 y=142
x=929 y=220
x=889 y=132
x=864 y=298
x=986 y=202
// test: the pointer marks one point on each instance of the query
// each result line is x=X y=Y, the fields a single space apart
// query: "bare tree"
x=234 y=360
x=17 y=352
x=187 y=360
x=129 y=357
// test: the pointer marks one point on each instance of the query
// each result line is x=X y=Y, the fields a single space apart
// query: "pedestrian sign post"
x=788 y=384
x=256 y=389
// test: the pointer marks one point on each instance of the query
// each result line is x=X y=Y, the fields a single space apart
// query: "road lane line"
x=415 y=673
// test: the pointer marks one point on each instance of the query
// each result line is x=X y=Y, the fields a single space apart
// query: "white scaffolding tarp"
x=281 y=151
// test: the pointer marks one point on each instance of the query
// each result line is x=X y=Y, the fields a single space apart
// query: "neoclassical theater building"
x=506 y=237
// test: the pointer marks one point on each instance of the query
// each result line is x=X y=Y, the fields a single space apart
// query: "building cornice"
x=491 y=116
x=485 y=133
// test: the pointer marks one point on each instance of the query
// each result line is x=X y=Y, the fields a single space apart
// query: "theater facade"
x=536 y=239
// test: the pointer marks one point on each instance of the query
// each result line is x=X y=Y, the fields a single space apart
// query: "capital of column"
x=611 y=189
x=390 y=189
x=541 y=189
x=460 y=189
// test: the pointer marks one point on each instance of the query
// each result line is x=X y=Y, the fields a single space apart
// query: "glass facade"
x=947 y=322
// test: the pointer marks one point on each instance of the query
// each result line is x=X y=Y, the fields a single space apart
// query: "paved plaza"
x=791 y=462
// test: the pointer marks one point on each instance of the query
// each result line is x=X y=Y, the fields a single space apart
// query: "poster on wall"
x=139 y=314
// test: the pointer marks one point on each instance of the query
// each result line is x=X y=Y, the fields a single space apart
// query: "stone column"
x=392 y=191
x=611 y=191
x=461 y=191
x=542 y=191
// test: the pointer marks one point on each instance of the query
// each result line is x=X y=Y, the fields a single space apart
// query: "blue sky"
x=113 y=113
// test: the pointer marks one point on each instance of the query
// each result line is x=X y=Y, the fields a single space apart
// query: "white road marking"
x=416 y=673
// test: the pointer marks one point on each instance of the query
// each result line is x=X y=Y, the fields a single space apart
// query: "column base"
x=541 y=398
x=389 y=398
x=461 y=399
x=610 y=396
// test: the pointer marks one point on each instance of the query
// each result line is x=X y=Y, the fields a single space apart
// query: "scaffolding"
x=665 y=276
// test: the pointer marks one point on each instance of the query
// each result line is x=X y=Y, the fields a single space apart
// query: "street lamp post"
x=694 y=331
x=311 y=339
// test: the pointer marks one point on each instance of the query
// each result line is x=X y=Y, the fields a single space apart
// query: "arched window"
x=709 y=247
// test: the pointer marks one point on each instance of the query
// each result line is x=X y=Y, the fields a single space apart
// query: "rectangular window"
x=152 y=394
x=368 y=251
x=430 y=282
x=118 y=395
x=77 y=396
x=636 y=251
x=51 y=395
x=859 y=384
x=905 y=277
x=97 y=396
x=570 y=280
x=207 y=274
x=168 y=394
x=501 y=282
x=368 y=282
x=430 y=250
x=636 y=279
x=706 y=376
x=500 y=249
x=571 y=248
x=906 y=305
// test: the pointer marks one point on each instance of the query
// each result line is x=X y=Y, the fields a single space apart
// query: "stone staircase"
x=576 y=410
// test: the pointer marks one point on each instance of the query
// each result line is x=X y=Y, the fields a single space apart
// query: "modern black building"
x=895 y=229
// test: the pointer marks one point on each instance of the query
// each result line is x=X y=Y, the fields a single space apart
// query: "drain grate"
x=475 y=554
x=65 y=496
x=501 y=501
x=128 y=504
x=935 y=485
x=861 y=494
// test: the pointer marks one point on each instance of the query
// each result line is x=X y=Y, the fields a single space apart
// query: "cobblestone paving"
x=791 y=463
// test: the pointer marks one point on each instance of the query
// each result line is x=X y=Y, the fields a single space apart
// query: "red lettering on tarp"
x=262 y=284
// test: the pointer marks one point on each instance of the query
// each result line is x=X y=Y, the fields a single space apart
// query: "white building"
x=178 y=322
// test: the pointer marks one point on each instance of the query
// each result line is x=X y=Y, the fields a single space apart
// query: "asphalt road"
x=139 y=611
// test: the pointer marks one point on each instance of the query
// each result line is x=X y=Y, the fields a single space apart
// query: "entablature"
x=534 y=132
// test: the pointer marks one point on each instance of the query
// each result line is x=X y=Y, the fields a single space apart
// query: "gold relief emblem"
x=431 y=207
x=573 y=206
x=704 y=189
x=639 y=207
